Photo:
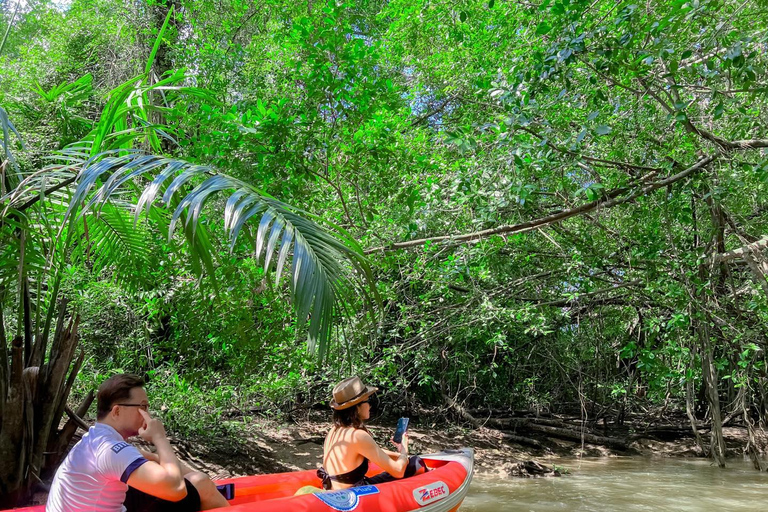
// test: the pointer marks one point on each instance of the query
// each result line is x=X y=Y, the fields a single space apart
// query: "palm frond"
x=325 y=266
x=70 y=93
x=34 y=260
x=6 y=129
x=109 y=240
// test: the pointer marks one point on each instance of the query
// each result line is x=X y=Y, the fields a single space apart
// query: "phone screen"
x=402 y=428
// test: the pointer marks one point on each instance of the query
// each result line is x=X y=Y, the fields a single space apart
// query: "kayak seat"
x=308 y=489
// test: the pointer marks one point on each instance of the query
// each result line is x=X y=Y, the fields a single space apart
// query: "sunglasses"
x=143 y=407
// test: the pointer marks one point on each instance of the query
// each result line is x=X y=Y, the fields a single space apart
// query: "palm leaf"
x=111 y=241
x=6 y=129
x=34 y=261
x=325 y=267
x=158 y=41
x=72 y=92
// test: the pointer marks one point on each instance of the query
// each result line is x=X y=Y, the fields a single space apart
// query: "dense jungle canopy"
x=555 y=205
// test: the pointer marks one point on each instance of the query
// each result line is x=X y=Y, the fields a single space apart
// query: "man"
x=104 y=473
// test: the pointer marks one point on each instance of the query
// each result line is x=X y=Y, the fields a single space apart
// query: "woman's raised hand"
x=402 y=446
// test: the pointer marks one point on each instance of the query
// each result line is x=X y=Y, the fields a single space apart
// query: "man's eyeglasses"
x=143 y=407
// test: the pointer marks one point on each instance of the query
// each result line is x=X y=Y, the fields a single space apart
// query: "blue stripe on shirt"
x=133 y=466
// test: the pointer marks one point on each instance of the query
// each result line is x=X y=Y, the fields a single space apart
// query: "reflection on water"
x=627 y=484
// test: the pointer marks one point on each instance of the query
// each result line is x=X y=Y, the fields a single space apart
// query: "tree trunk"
x=709 y=373
x=33 y=408
x=703 y=305
x=690 y=407
x=3 y=367
x=57 y=445
x=163 y=62
x=12 y=432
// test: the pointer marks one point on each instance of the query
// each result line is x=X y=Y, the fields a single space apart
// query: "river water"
x=627 y=484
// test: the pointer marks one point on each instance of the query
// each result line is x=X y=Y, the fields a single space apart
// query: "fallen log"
x=525 y=441
x=464 y=414
x=669 y=432
x=572 y=435
x=507 y=413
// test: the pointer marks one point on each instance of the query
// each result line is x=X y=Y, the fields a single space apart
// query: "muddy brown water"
x=627 y=484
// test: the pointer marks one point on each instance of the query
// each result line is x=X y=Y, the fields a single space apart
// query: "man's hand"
x=152 y=429
x=164 y=479
x=149 y=455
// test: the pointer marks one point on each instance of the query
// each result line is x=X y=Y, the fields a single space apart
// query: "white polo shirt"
x=93 y=476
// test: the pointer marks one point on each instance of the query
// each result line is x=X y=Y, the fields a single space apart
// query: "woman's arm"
x=368 y=448
x=391 y=454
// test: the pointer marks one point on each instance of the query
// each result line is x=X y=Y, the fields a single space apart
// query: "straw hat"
x=350 y=392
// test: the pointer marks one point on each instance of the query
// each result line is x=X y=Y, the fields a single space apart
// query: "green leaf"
x=158 y=42
x=543 y=28
x=463 y=16
x=719 y=108
x=603 y=129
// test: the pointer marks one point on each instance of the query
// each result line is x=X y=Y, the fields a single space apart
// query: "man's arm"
x=185 y=469
x=163 y=479
x=151 y=456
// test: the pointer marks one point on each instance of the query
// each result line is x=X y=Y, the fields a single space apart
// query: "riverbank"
x=268 y=446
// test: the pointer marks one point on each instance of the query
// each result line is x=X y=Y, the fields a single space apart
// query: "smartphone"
x=402 y=428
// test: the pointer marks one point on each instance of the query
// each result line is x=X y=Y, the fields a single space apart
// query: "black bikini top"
x=350 y=478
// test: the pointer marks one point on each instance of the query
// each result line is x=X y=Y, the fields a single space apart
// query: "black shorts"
x=414 y=464
x=137 y=501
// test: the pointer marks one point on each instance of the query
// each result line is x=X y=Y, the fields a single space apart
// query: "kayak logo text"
x=347 y=499
x=432 y=492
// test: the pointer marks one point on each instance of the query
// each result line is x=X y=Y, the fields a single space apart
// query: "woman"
x=349 y=446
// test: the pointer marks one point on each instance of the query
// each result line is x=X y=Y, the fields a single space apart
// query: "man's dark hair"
x=115 y=389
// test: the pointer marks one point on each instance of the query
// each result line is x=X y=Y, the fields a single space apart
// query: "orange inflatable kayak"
x=442 y=489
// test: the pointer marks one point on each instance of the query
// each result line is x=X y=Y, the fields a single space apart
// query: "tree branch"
x=749 y=144
x=741 y=251
x=76 y=419
x=568 y=302
x=39 y=196
x=588 y=158
x=338 y=191
x=704 y=134
x=436 y=110
x=610 y=200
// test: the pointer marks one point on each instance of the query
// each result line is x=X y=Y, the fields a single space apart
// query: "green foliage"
x=435 y=122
